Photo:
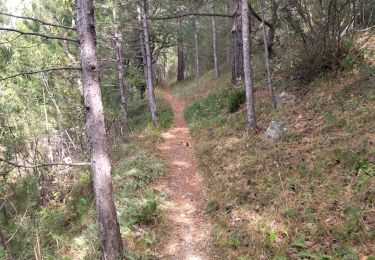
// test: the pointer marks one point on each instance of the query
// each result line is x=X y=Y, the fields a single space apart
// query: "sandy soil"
x=188 y=231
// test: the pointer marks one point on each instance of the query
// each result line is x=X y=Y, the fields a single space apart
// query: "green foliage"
x=271 y=238
x=278 y=257
x=235 y=100
x=299 y=242
x=207 y=111
x=165 y=116
x=357 y=164
x=136 y=203
x=208 y=107
x=212 y=206
x=233 y=241
x=6 y=54
x=134 y=77
x=140 y=116
x=315 y=256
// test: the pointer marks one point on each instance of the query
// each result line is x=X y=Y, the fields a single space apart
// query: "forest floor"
x=187 y=229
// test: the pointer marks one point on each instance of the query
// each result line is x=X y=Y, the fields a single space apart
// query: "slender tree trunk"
x=237 y=62
x=196 y=52
x=109 y=229
x=119 y=49
x=121 y=78
x=251 y=121
x=147 y=62
x=266 y=57
x=180 y=54
x=214 y=41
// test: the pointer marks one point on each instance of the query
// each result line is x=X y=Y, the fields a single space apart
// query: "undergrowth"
x=52 y=216
x=309 y=196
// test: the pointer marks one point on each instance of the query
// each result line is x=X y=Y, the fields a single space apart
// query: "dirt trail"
x=187 y=228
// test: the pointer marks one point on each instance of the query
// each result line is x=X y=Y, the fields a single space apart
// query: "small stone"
x=285 y=98
x=275 y=130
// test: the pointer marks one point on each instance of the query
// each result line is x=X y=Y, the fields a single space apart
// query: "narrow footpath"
x=188 y=230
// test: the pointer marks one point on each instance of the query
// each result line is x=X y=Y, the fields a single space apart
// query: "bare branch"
x=189 y=14
x=38 y=21
x=40 y=71
x=252 y=11
x=12 y=40
x=37 y=34
x=44 y=164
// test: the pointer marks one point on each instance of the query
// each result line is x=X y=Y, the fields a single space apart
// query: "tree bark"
x=109 y=229
x=180 y=54
x=119 y=49
x=251 y=121
x=196 y=52
x=214 y=41
x=272 y=29
x=267 y=59
x=147 y=61
x=237 y=62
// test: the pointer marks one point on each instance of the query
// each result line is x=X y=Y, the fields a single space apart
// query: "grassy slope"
x=310 y=195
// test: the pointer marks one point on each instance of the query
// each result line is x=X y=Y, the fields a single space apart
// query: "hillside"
x=309 y=195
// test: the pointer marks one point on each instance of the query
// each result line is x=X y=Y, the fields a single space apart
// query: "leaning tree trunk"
x=237 y=62
x=180 y=54
x=196 y=52
x=251 y=121
x=214 y=41
x=267 y=59
x=109 y=229
x=147 y=61
x=119 y=49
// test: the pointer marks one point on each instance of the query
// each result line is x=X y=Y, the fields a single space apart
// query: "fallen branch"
x=37 y=34
x=39 y=71
x=38 y=21
x=44 y=164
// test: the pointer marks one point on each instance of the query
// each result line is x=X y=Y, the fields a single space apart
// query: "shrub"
x=235 y=100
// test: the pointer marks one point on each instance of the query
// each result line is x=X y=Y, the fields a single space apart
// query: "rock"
x=285 y=98
x=275 y=130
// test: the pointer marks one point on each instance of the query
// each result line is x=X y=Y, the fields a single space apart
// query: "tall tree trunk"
x=214 y=41
x=272 y=30
x=109 y=229
x=147 y=61
x=180 y=54
x=196 y=52
x=119 y=49
x=251 y=121
x=266 y=57
x=237 y=62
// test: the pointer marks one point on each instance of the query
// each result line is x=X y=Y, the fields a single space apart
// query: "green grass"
x=140 y=116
